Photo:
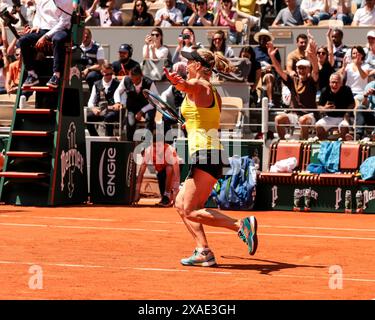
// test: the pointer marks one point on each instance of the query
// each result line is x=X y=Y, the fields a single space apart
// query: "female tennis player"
x=201 y=110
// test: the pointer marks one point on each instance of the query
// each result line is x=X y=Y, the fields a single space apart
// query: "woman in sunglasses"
x=201 y=17
x=201 y=109
x=140 y=15
x=325 y=63
x=226 y=17
x=218 y=43
x=154 y=48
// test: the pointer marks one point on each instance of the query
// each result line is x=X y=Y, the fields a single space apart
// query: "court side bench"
x=299 y=190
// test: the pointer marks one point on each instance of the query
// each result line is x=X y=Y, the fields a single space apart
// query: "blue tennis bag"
x=236 y=190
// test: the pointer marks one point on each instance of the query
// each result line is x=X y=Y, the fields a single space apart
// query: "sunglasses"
x=155 y=35
x=322 y=52
x=200 y=3
x=217 y=39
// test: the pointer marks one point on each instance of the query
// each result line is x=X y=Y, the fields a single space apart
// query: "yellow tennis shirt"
x=202 y=125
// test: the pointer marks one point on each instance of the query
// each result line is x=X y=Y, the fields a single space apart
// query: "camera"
x=7 y=17
x=185 y=36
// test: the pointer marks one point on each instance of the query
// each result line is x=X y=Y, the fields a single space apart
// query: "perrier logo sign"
x=70 y=160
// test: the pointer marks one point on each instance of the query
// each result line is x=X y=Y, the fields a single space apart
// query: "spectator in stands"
x=325 y=62
x=370 y=57
x=163 y=157
x=3 y=70
x=247 y=9
x=186 y=42
x=140 y=16
x=356 y=72
x=298 y=54
x=50 y=24
x=174 y=98
x=154 y=48
x=315 y=9
x=339 y=49
x=200 y=16
x=186 y=7
x=226 y=17
x=101 y=102
x=303 y=88
x=125 y=63
x=169 y=15
x=292 y=15
x=335 y=96
x=269 y=75
x=13 y=74
x=92 y=58
x=218 y=43
x=130 y=95
x=339 y=10
x=106 y=13
x=255 y=72
x=366 y=118
x=365 y=16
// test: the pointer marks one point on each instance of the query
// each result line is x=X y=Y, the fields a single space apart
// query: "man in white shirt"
x=100 y=104
x=168 y=16
x=339 y=10
x=130 y=94
x=52 y=22
x=365 y=16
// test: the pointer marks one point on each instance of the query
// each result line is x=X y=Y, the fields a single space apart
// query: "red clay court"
x=107 y=252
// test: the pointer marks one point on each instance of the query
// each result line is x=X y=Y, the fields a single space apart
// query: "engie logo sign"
x=107 y=172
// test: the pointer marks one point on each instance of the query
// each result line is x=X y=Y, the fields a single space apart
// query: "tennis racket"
x=164 y=108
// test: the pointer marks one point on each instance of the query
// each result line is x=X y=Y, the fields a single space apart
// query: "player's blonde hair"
x=216 y=60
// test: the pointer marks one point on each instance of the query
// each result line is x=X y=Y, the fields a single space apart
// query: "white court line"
x=57 y=218
x=224 y=273
x=281 y=227
x=173 y=231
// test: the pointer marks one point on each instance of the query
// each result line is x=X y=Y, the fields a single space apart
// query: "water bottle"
x=348 y=201
x=296 y=200
x=359 y=201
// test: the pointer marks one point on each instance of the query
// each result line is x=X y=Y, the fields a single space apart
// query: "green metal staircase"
x=45 y=160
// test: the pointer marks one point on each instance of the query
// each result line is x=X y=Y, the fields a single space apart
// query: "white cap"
x=304 y=63
x=371 y=34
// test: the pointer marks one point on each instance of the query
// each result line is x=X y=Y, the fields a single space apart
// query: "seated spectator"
x=140 y=16
x=125 y=63
x=325 y=63
x=200 y=17
x=270 y=78
x=292 y=15
x=247 y=9
x=101 y=103
x=218 y=43
x=370 y=57
x=368 y=103
x=174 y=98
x=356 y=72
x=255 y=71
x=303 y=88
x=186 y=7
x=315 y=9
x=106 y=14
x=339 y=10
x=130 y=95
x=163 y=157
x=298 y=54
x=335 y=96
x=169 y=15
x=92 y=58
x=186 y=42
x=226 y=17
x=340 y=50
x=365 y=16
x=154 y=48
